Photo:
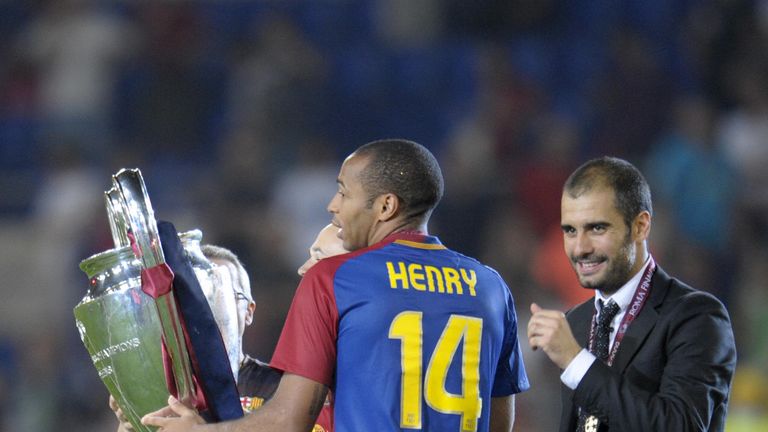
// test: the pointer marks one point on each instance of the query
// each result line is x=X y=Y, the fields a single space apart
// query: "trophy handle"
x=118 y=223
x=140 y=216
x=136 y=211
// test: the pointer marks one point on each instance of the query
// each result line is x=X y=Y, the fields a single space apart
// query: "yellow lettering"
x=394 y=276
x=415 y=272
x=434 y=277
x=452 y=280
x=444 y=280
x=471 y=280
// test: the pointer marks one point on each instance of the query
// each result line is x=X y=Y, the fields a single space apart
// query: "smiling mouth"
x=587 y=268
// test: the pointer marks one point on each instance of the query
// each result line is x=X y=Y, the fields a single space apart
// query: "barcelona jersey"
x=408 y=335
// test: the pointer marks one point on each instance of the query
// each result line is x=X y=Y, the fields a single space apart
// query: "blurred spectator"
x=696 y=183
x=171 y=97
x=537 y=177
x=301 y=194
x=631 y=98
x=509 y=100
x=278 y=85
x=743 y=137
x=70 y=198
x=36 y=397
x=77 y=48
x=483 y=150
x=404 y=24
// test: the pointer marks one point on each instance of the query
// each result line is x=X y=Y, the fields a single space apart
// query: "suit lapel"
x=643 y=324
x=580 y=320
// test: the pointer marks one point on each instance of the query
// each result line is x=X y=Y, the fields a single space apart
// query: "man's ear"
x=641 y=227
x=249 y=313
x=387 y=206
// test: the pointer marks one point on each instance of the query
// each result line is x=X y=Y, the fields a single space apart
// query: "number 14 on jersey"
x=407 y=326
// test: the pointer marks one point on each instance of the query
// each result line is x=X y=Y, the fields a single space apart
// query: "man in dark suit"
x=648 y=352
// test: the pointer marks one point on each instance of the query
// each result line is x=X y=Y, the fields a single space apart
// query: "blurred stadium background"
x=239 y=114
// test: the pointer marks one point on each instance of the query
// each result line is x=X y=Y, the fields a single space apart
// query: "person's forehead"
x=225 y=265
x=351 y=168
x=599 y=201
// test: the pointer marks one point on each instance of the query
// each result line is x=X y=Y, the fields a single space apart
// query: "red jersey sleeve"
x=307 y=344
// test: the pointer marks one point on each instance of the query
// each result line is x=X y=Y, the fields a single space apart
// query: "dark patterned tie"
x=589 y=423
x=603 y=330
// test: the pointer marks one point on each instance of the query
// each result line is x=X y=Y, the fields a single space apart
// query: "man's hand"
x=175 y=417
x=125 y=425
x=549 y=330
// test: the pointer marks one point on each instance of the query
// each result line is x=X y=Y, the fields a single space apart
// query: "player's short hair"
x=406 y=169
x=243 y=285
x=631 y=192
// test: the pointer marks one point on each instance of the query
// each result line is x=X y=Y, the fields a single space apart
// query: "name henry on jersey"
x=444 y=280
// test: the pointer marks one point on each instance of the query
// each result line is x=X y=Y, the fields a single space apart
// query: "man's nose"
x=333 y=205
x=583 y=245
x=304 y=267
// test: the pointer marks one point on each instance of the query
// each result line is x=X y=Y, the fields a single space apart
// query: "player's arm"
x=502 y=413
x=294 y=407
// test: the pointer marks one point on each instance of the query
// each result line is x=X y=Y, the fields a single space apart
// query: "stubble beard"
x=617 y=272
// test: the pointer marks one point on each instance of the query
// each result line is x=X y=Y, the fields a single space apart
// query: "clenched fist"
x=550 y=331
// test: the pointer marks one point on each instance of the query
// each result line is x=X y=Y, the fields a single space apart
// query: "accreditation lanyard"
x=635 y=306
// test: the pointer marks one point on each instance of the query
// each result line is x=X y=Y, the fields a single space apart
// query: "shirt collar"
x=623 y=296
x=413 y=236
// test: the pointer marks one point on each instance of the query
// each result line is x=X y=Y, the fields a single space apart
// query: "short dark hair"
x=406 y=169
x=631 y=192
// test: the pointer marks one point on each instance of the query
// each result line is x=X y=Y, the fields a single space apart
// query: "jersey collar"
x=414 y=239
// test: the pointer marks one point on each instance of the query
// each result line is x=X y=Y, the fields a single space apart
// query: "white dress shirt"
x=580 y=364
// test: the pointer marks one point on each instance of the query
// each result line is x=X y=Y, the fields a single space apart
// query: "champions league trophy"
x=120 y=324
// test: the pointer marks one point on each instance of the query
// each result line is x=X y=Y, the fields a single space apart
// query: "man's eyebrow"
x=590 y=225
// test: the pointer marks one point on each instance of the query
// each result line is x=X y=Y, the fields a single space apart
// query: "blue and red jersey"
x=407 y=334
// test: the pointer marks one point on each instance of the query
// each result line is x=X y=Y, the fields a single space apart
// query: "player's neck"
x=387 y=228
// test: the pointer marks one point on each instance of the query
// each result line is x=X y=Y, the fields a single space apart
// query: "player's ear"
x=387 y=206
x=249 y=313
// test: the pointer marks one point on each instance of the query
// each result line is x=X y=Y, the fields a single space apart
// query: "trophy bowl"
x=119 y=326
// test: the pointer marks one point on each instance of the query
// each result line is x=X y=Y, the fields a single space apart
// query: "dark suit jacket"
x=672 y=372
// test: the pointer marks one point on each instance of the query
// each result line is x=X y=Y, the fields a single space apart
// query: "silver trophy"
x=120 y=325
